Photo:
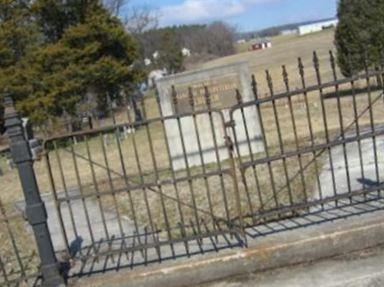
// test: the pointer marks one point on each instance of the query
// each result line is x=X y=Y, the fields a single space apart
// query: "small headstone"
x=106 y=140
x=10 y=164
x=222 y=83
x=28 y=131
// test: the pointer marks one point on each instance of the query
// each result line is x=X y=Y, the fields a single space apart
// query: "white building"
x=317 y=26
x=147 y=61
x=289 y=32
x=155 y=75
x=186 y=52
x=156 y=55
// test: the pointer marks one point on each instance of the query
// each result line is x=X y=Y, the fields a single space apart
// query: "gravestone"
x=221 y=83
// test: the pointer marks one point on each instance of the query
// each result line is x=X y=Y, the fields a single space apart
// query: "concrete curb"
x=273 y=251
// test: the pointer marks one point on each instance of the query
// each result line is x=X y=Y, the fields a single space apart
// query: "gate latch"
x=229 y=143
x=230 y=124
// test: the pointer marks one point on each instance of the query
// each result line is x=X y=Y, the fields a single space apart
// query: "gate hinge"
x=229 y=143
x=230 y=124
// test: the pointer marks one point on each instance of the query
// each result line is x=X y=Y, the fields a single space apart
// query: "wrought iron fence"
x=133 y=190
x=18 y=258
x=320 y=145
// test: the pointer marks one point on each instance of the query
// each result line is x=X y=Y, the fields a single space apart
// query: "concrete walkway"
x=359 y=178
x=277 y=250
x=363 y=269
x=76 y=227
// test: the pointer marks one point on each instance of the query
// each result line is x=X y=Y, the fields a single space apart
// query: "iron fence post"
x=35 y=209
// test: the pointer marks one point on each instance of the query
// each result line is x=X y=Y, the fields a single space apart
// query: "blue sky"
x=245 y=14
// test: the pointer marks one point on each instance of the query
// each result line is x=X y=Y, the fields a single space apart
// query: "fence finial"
x=191 y=98
x=254 y=87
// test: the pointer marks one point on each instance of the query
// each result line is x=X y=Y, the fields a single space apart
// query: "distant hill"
x=275 y=30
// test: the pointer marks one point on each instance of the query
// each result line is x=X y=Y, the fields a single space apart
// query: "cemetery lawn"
x=285 y=51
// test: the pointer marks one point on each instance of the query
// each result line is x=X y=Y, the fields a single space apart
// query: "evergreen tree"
x=18 y=36
x=96 y=54
x=53 y=52
x=360 y=34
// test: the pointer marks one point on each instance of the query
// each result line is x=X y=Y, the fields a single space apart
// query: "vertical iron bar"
x=265 y=142
x=340 y=113
x=68 y=201
x=371 y=117
x=310 y=128
x=185 y=154
x=157 y=176
x=325 y=121
x=197 y=134
x=142 y=182
x=243 y=175
x=280 y=138
x=356 y=119
x=83 y=200
x=293 y=119
x=216 y=147
x=173 y=174
x=96 y=186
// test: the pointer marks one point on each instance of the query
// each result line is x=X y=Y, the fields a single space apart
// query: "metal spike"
x=157 y=95
x=285 y=77
x=207 y=97
x=239 y=98
x=174 y=98
x=254 y=87
x=349 y=63
x=365 y=60
x=190 y=97
x=316 y=63
x=269 y=80
x=301 y=67
x=333 y=64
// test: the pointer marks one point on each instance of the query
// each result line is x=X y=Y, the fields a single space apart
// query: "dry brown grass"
x=285 y=51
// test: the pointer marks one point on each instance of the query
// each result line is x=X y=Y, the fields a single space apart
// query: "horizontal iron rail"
x=313 y=148
x=12 y=216
x=306 y=90
x=216 y=111
x=145 y=122
x=140 y=247
x=67 y=198
x=22 y=279
x=315 y=203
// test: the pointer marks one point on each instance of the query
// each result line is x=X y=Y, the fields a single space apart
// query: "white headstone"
x=222 y=83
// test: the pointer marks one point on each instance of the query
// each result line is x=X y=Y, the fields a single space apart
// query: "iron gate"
x=121 y=193
x=322 y=145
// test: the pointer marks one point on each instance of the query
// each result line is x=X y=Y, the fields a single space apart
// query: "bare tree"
x=140 y=19
x=137 y=19
x=220 y=38
x=115 y=6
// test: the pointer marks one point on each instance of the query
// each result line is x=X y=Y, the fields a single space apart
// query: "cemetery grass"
x=285 y=51
x=13 y=228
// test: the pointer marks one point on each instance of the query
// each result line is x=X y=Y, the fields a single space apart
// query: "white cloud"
x=191 y=11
